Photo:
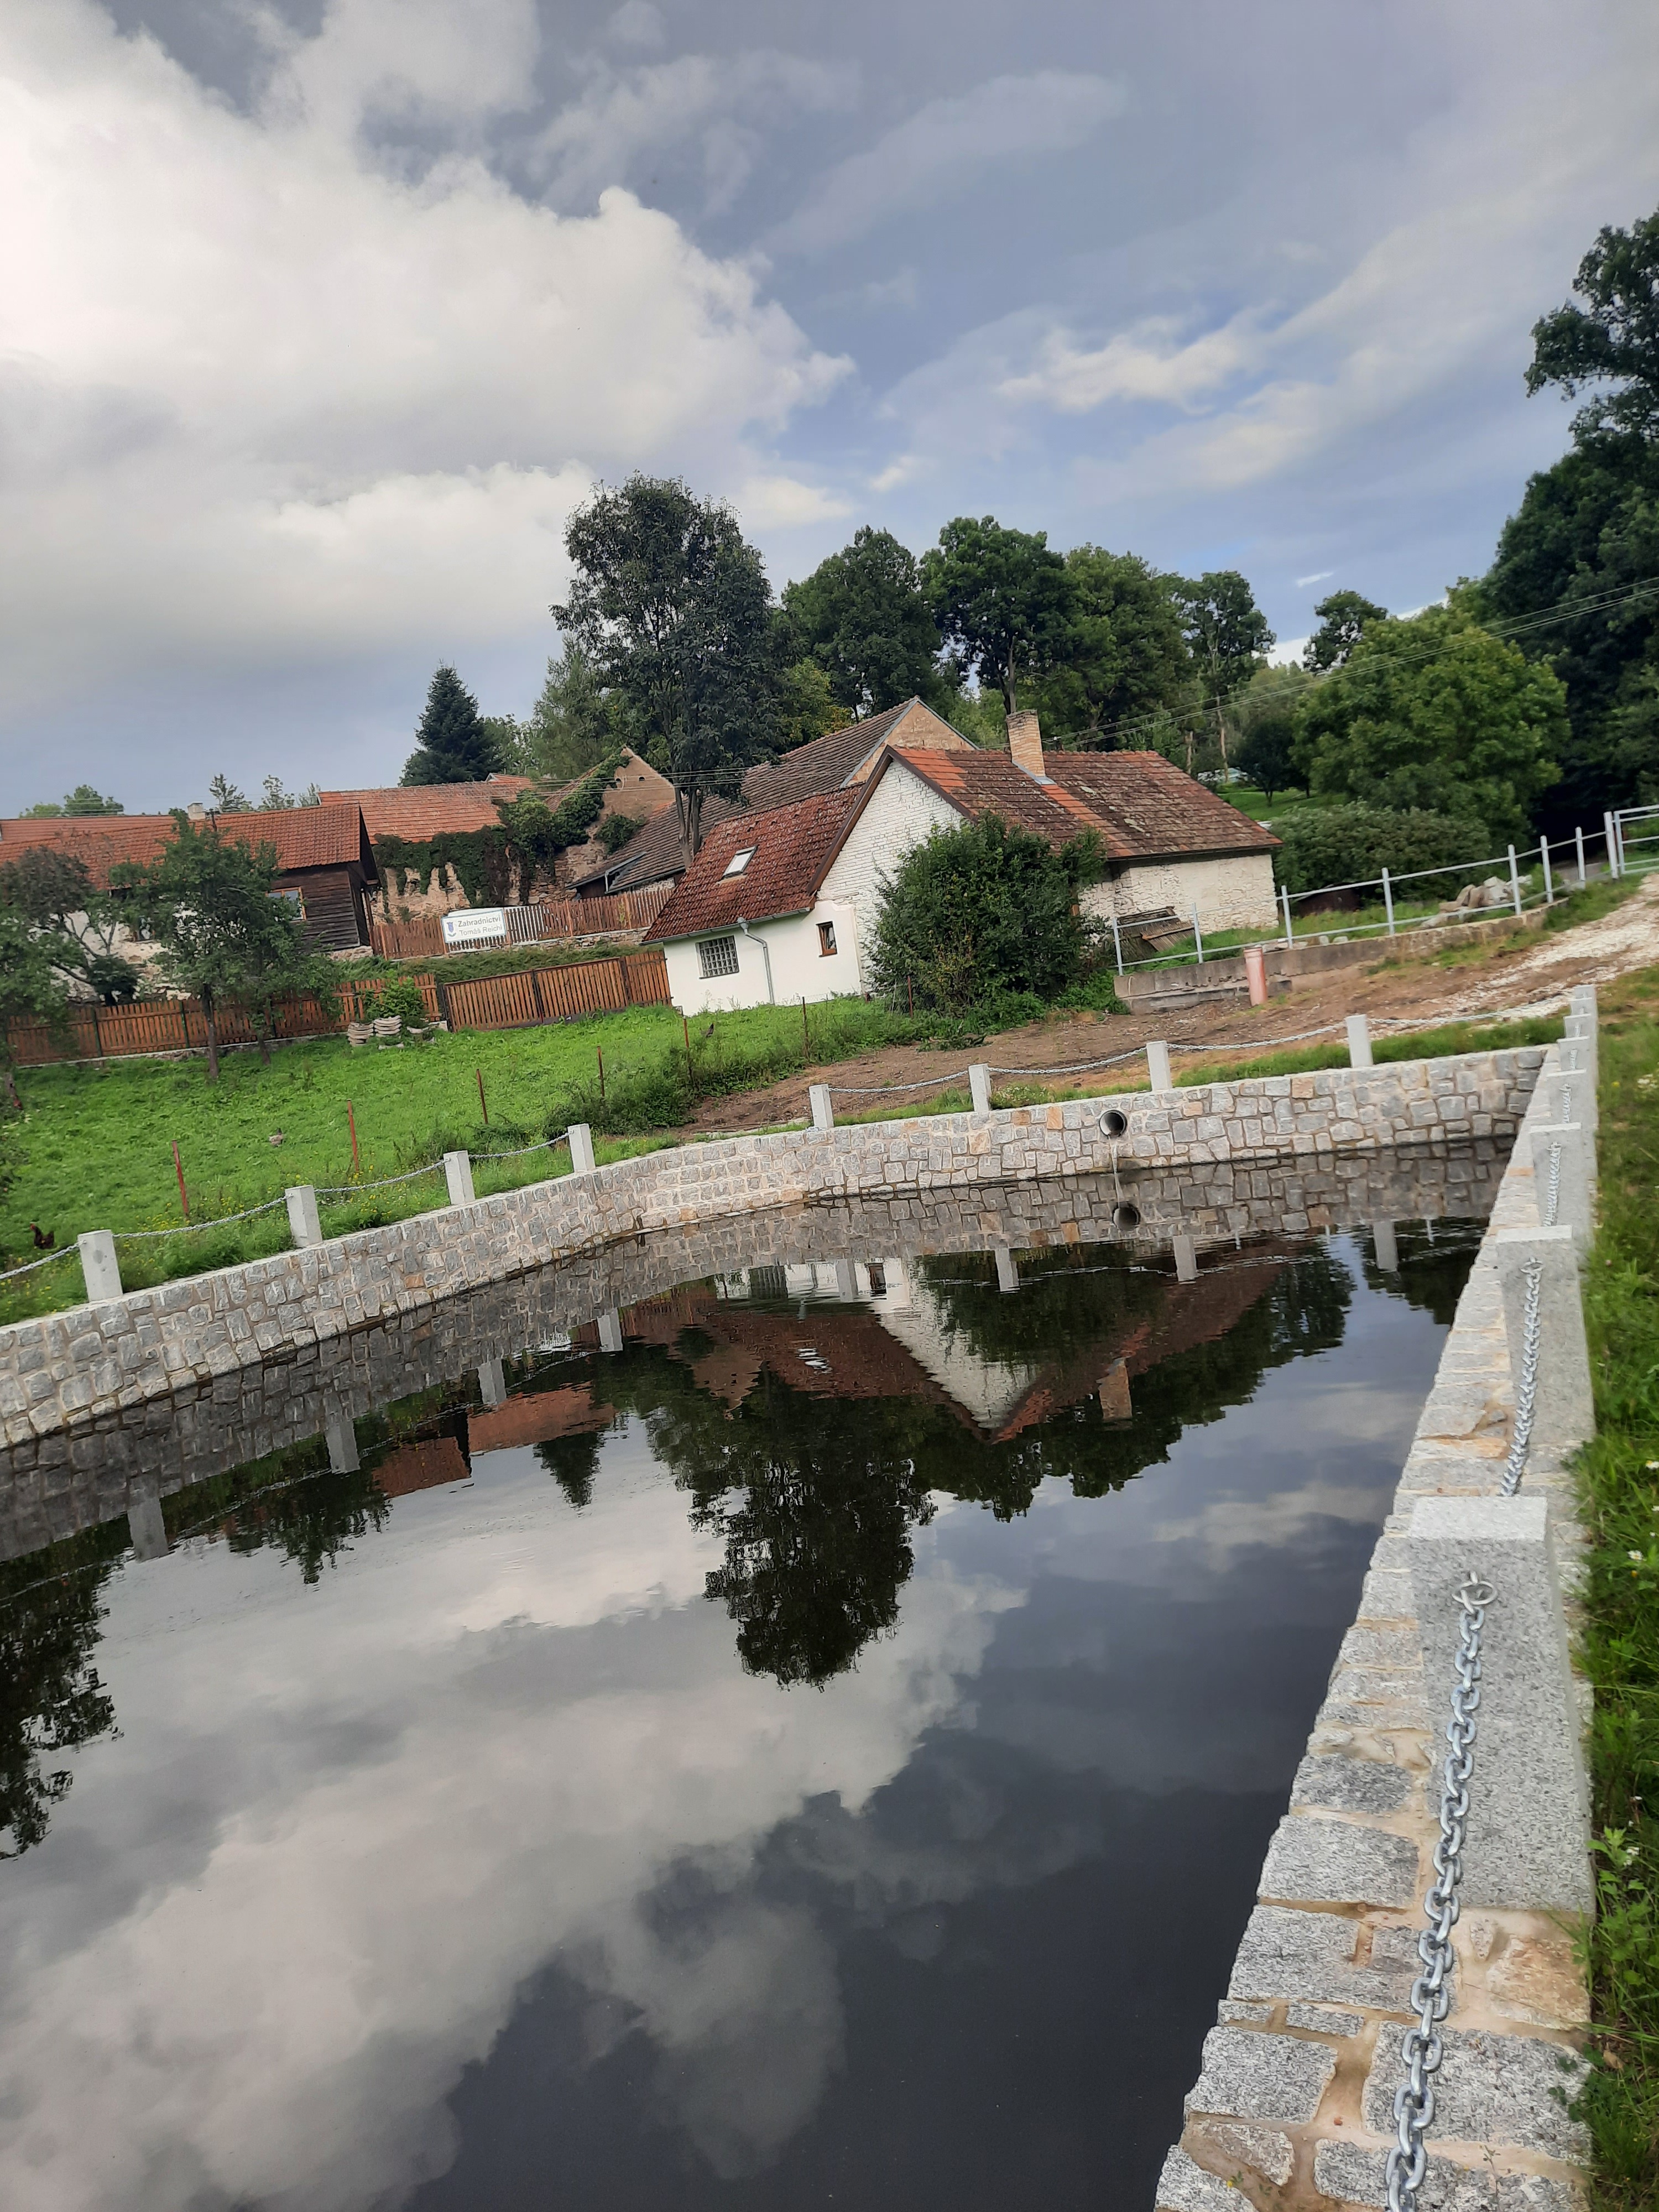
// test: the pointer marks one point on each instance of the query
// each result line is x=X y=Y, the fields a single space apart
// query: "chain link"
x=1420 y=2050
x=1552 y=1193
x=1526 y=1383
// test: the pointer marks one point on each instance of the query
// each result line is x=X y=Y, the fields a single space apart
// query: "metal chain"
x=63 y=1252
x=1553 y=1194
x=1420 y=2050
x=196 y=1228
x=1526 y=1383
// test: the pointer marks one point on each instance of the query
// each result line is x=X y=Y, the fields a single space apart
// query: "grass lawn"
x=1619 y=1479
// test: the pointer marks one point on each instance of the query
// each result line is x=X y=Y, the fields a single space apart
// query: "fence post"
x=1388 y=1247
x=1572 y=1177
x=101 y=1270
x=1255 y=973
x=1515 y=882
x=1117 y=943
x=1388 y=900
x=1158 y=1066
x=611 y=1331
x=979 y=1085
x=492 y=1382
x=824 y=1113
x=581 y=1148
x=1578 y=840
x=1290 y=933
x=1007 y=1272
x=1613 y=844
x=1198 y=934
x=341 y=1438
x=1549 y=880
x=1563 y=1413
x=303 y=1225
x=1186 y=1259
x=1359 y=1041
x=458 y=1173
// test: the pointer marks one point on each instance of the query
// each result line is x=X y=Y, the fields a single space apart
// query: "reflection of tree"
x=289 y=1502
x=1067 y=1301
x=1430 y=1276
x=51 y=1696
x=573 y=1462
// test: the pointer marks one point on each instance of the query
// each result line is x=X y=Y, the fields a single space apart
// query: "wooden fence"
x=548 y=921
x=496 y=1002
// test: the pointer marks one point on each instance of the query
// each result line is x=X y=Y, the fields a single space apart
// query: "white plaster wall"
x=901 y=814
x=1234 y=891
x=799 y=969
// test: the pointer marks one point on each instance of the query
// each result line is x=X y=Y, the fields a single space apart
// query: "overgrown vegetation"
x=1350 y=843
x=1412 y=1044
x=1619 y=1484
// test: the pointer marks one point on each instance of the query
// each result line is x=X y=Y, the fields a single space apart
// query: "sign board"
x=475 y=925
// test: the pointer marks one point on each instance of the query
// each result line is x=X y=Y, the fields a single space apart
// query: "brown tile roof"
x=823 y=765
x=536 y=1417
x=1146 y=809
x=428 y=809
x=328 y=837
x=654 y=853
x=421 y=1467
x=793 y=848
x=990 y=783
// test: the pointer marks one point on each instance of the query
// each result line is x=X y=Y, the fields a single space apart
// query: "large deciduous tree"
x=672 y=607
x=1437 y=713
x=1002 y=600
x=1342 y=619
x=1610 y=346
x=862 y=616
x=1123 y=656
x=1227 y=634
x=453 y=743
x=75 y=925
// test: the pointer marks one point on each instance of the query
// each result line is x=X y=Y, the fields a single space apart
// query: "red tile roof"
x=328 y=837
x=653 y=854
x=990 y=783
x=421 y=811
x=793 y=848
x=1144 y=805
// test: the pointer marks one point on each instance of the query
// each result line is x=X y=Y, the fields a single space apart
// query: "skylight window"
x=739 y=862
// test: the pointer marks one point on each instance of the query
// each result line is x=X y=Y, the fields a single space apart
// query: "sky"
x=318 y=317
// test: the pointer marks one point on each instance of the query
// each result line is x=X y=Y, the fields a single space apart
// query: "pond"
x=807 y=1737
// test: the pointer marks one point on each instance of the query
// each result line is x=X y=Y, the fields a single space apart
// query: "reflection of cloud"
x=345 y=1825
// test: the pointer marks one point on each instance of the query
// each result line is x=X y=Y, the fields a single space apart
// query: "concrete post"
x=581 y=1148
x=1576 y=1083
x=1527 y=1844
x=303 y=1225
x=99 y=1268
x=492 y=1382
x=1388 y=1248
x=824 y=1113
x=1359 y=1041
x=979 y=1085
x=458 y=1173
x=611 y=1331
x=147 y=1528
x=1564 y=1409
x=847 y=1281
x=341 y=1438
x=1007 y=1272
x=1255 y=973
x=1186 y=1259
x=1582 y=1000
x=1116 y=1403
x=1572 y=1177
x=1158 y=1066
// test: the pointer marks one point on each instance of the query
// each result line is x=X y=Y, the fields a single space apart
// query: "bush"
x=1346 y=844
x=402 y=997
x=980 y=913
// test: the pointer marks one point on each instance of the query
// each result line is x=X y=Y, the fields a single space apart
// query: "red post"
x=599 y=1050
x=482 y=1104
x=351 y=1124
x=1255 y=971
x=178 y=1169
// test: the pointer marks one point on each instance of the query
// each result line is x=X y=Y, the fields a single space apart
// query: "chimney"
x=1025 y=742
x=196 y=810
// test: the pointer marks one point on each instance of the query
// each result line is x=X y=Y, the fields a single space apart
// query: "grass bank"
x=1618 y=1477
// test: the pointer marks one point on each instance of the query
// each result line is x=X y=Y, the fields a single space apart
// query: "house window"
x=827 y=939
x=739 y=862
x=717 y=956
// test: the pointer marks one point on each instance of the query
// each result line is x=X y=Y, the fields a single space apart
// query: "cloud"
x=785 y=503
x=268 y=399
x=637 y=23
x=942 y=146
x=1143 y=363
x=1319 y=576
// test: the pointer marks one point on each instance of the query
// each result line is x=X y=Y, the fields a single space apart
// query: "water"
x=821 y=1753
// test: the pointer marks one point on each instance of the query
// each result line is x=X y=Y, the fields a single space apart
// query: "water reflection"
x=787 y=1756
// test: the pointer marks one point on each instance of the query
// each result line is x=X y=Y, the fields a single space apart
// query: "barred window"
x=717 y=956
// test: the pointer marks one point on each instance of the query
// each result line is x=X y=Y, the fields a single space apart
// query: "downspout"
x=766 y=955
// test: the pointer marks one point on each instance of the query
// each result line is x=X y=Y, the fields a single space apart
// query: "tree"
x=1123 y=656
x=1227 y=636
x=75 y=925
x=862 y=616
x=274 y=800
x=452 y=745
x=1348 y=843
x=31 y=989
x=223 y=798
x=1614 y=342
x=672 y=607
x=208 y=901
x=1268 y=755
x=981 y=910
x=807 y=707
x=1436 y=713
x=1342 y=619
x=83 y=799
x=574 y=723
x=1002 y=601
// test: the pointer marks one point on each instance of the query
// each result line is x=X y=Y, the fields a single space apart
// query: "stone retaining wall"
x=1294 y=2106
x=85 y=1369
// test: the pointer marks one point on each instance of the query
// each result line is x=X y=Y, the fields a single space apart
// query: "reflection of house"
x=324 y=860
x=536 y=1418
x=425 y=1466
x=783 y=903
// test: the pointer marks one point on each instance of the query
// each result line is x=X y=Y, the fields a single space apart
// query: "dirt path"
x=1531 y=977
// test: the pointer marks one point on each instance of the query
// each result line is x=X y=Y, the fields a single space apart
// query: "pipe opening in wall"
x=1114 y=1124
x=1126 y=1216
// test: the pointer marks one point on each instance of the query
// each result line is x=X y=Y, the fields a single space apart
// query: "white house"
x=781 y=905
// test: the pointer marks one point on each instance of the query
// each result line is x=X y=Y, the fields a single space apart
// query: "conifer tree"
x=453 y=744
